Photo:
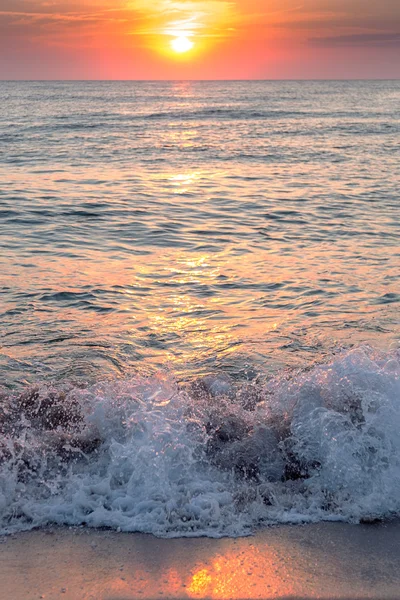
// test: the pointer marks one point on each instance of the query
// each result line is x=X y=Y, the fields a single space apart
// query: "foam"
x=213 y=458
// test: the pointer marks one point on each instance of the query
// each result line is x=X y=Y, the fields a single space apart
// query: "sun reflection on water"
x=204 y=264
x=184 y=181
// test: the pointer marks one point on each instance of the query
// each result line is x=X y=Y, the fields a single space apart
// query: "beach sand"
x=328 y=560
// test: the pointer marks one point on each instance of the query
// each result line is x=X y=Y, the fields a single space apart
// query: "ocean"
x=199 y=304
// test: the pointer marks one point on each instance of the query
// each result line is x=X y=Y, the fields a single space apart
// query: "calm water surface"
x=198 y=226
x=246 y=229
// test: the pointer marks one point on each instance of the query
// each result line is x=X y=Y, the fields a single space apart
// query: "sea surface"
x=199 y=304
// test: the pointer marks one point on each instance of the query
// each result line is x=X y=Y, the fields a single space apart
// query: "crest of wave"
x=210 y=458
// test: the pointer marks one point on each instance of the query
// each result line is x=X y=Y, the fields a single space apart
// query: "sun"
x=181 y=44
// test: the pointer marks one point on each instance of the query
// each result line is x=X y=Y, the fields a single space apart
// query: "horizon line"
x=300 y=79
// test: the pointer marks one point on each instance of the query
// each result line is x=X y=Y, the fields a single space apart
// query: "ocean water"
x=199 y=304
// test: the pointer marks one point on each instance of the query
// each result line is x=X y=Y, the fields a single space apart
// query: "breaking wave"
x=213 y=457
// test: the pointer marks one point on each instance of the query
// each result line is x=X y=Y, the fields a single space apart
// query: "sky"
x=199 y=39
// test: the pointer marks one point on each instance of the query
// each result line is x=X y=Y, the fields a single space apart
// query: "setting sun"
x=181 y=44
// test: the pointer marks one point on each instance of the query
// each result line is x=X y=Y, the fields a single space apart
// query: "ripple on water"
x=200 y=226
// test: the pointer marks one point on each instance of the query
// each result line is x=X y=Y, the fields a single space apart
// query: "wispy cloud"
x=196 y=17
x=203 y=18
x=362 y=39
x=39 y=17
x=55 y=26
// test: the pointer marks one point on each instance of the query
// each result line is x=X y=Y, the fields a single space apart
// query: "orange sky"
x=232 y=39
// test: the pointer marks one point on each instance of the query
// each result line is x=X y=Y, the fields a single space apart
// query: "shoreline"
x=327 y=561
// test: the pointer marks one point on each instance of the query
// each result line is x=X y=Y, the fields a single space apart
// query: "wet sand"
x=328 y=560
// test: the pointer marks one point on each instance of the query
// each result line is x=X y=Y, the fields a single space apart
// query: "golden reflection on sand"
x=242 y=571
x=318 y=561
x=247 y=574
x=201 y=582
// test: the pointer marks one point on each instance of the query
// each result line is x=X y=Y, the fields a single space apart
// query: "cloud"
x=201 y=17
x=55 y=26
x=19 y=16
x=49 y=19
x=359 y=39
x=18 y=20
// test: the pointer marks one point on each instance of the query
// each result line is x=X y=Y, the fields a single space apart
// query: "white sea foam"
x=212 y=458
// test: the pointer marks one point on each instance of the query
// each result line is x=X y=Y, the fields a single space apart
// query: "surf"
x=207 y=457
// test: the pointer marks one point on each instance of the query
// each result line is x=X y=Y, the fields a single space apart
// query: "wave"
x=114 y=120
x=211 y=457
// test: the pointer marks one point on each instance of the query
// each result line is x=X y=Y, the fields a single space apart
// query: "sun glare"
x=181 y=44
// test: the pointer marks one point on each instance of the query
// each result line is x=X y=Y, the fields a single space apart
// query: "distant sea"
x=199 y=304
